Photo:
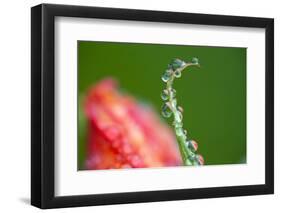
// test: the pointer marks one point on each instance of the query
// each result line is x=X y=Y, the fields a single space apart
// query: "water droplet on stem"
x=166 y=111
x=165 y=95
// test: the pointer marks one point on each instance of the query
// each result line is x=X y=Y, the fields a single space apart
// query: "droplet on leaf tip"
x=195 y=60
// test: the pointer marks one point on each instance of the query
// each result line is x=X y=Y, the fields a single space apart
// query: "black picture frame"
x=43 y=102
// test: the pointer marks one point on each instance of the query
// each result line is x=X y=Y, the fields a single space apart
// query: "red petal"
x=123 y=133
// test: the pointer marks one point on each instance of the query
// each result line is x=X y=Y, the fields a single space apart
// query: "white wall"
x=15 y=105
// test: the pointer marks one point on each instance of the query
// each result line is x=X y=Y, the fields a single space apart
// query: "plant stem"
x=188 y=156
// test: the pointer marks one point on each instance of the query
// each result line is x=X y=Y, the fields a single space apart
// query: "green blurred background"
x=213 y=96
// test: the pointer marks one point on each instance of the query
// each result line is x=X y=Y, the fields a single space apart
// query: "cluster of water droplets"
x=169 y=94
x=170 y=108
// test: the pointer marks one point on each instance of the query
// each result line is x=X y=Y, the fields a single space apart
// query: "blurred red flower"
x=123 y=133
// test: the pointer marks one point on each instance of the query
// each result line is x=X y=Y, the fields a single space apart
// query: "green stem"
x=188 y=156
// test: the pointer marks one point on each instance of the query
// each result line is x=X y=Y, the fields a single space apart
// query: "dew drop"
x=192 y=157
x=173 y=93
x=179 y=131
x=165 y=95
x=166 y=76
x=174 y=103
x=191 y=144
x=195 y=60
x=199 y=160
x=177 y=63
x=180 y=109
x=177 y=124
x=166 y=111
x=177 y=73
x=179 y=117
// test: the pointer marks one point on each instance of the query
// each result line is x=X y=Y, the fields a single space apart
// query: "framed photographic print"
x=140 y=106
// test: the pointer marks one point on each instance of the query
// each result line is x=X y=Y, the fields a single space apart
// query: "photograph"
x=140 y=106
x=146 y=105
